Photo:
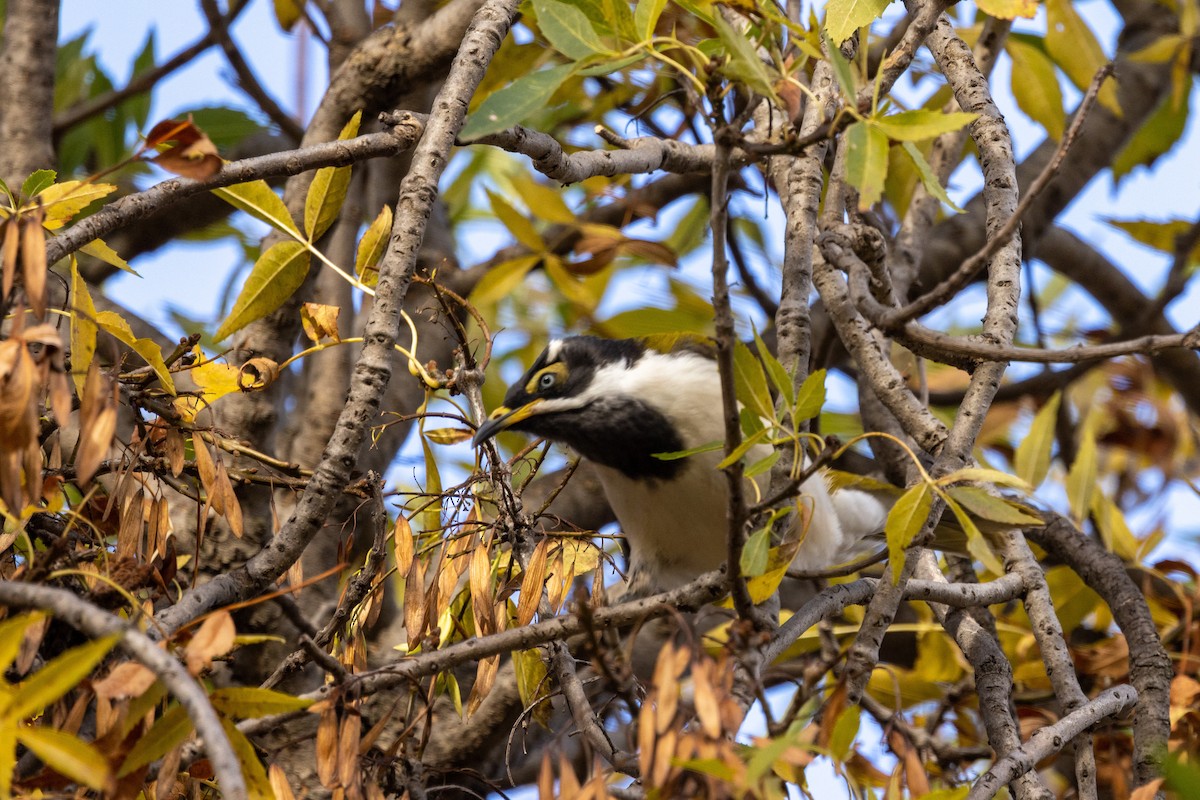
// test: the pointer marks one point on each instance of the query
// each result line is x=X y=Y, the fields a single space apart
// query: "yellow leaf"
x=372 y=246
x=67 y=755
x=112 y=322
x=904 y=522
x=245 y=702
x=1074 y=47
x=97 y=248
x=328 y=189
x=213 y=379
x=516 y=222
x=258 y=200
x=64 y=200
x=320 y=321
x=258 y=786
x=1084 y=472
x=58 y=677
x=83 y=327
x=214 y=638
x=1008 y=9
x=276 y=275
x=1114 y=530
x=1032 y=460
x=12 y=632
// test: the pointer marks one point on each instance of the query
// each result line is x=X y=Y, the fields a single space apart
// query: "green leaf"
x=928 y=179
x=750 y=382
x=743 y=447
x=1085 y=471
x=1073 y=46
x=1158 y=134
x=1161 y=235
x=137 y=107
x=904 y=522
x=372 y=246
x=983 y=475
x=38 y=180
x=1035 y=86
x=67 y=755
x=914 y=126
x=226 y=127
x=866 y=162
x=844 y=17
x=245 y=702
x=328 y=189
x=168 y=731
x=58 y=677
x=977 y=545
x=845 y=730
x=743 y=61
x=676 y=455
x=755 y=553
x=779 y=376
x=988 y=506
x=514 y=103
x=258 y=200
x=645 y=16
x=276 y=275
x=568 y=29
x=811 y=397
x=288 y=13
x=1032 y=460
x=148 y=349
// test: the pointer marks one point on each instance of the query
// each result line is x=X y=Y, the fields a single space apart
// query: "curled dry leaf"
x=279 y=783
x=97 y=422
x=320 y=321
x=327 y=742
x=257 y=374
x=214 y=638
x=184 y=149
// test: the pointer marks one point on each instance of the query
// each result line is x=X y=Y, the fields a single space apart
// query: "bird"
x=624 y=403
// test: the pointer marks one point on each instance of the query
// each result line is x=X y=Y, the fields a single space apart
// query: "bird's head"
x=618 y=402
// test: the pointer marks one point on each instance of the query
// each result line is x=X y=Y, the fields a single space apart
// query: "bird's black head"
x=591 y=394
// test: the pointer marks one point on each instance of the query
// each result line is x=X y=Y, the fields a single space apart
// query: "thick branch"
x=96 y=623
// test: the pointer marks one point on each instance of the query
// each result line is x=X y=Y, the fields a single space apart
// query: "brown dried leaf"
x=11 y=247
x=128 y=679
x=545 y=782
x=320 y=321
x=97 y=422
x=405 y=544
x=414 y=602
x=214 y=638
x=207 y=470
x=257 y=374
x=532 y=582
x=189 y=152
x=568 y=781
x=129 y=532
x=168 y=773
x=485 y=678
x=279 y=783
x=327 y=744
x=645 y=733
x=348 y=736
x=481 y=590
x=230 y=506
x=708 y=707
x=173 y=447
x=33 y=260
x=664 y=749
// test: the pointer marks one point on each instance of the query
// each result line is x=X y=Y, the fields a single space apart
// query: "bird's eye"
x=547 y=380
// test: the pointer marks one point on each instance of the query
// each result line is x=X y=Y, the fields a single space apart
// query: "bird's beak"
x=503 y=418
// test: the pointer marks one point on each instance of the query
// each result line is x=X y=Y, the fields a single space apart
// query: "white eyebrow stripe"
x=553 y=349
